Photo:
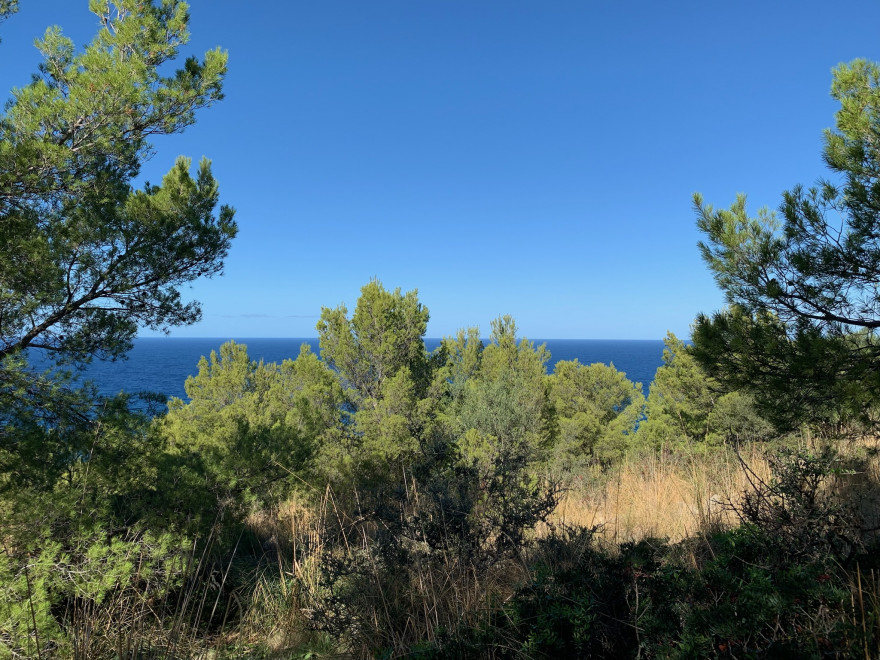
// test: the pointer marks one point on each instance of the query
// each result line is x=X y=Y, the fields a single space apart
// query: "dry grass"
x=865 y=590
x=397 y=607
x=672 y=495
x=275 y=618
x=678 y=495
x=661 y=495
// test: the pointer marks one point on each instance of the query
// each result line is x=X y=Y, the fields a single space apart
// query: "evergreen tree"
x=680 y=398
x=805 y=304
x=86 y=259
x=384 y=335
x=392 y=396
x=88 y=496
x=598 y=409
x=7 y=7
x=251 y=428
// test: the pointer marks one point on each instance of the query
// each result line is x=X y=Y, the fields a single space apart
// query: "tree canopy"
x=819 y=264
x=383 y=336
x=803 y=283
x=86 y=257
x=7 y=7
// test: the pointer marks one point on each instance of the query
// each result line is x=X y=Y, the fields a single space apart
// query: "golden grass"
x=676 y=495
x=661 y=495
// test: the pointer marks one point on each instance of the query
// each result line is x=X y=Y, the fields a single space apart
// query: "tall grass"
x=671 y=495
x=678 y=494
x=375 y=604
x=271 y=604
x=661 y=494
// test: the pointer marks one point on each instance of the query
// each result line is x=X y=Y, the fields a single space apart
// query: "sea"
x=162 y=364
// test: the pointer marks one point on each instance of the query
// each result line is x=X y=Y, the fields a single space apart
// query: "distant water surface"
x=162 y=364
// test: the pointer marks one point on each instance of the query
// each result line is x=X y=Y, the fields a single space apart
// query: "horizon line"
x=533 y=339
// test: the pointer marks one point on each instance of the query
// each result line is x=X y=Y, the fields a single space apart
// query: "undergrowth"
x=787 y=566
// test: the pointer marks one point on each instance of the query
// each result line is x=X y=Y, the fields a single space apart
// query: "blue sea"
x=162 y=364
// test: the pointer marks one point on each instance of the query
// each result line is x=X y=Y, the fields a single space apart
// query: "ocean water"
x=162 y=364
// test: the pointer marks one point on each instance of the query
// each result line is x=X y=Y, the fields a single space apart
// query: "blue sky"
x=530 y=158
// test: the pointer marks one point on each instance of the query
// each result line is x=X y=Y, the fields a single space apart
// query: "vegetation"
x=85 y=524
x=804 y=303
x=385 y=501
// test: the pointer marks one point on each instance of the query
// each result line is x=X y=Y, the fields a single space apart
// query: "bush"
x=425 y=560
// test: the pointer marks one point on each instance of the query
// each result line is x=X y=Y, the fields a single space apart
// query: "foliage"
x=383 y=336
x=93 y=512
x=803 y=285
x=95 y=529
x=744 y=605
x=679 y=400
x=392 y=397
x=53 y=596
x=86 y=258
x=7 y=8
x=253 y=427
x=576 y=604
x=598 y=410
x=430 y=554
x=687 y=405
x=777 y=586
x=462 y=356
x=462 y=486
x=505 y=403
x=808 y=269
x=809 y=378
x=735 y=420
x=502 y=434
x=443 y=466
x=31 y=403
x=801 y=512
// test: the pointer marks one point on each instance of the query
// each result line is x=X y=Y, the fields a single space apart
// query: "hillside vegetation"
x=379 y=500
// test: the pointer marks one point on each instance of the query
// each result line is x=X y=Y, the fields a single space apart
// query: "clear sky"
x=509 y=156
